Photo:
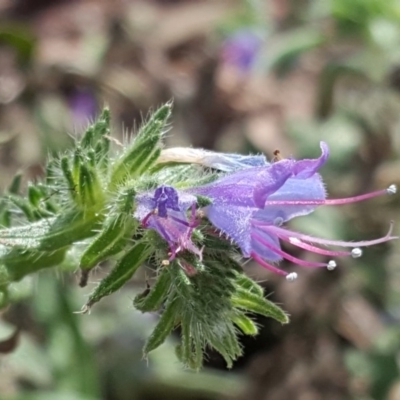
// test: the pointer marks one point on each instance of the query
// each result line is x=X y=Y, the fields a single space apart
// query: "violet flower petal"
x=264 y=251
x=248 y=187
x=293 y=189
x=308 y=167
x=234 y=222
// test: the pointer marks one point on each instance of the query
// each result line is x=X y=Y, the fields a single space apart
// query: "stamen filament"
x=314 y=249
x=268 y=266
x=287 y=256
x=355 y=199
x=307 y=238
x=180 y=221
x=390 y=190
x=146 y=218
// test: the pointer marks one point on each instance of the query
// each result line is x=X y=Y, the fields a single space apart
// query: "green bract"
x=86 y=203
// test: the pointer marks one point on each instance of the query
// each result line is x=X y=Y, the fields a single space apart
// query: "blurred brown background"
x=245 y=76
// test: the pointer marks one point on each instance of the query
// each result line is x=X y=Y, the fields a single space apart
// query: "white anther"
x=291 y=277
x=392 y=189
x=278 y=221
x=331 y=265
x=294 y=240
x=356 y=252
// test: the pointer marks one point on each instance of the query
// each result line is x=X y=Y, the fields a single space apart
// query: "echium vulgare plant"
x=190 y=215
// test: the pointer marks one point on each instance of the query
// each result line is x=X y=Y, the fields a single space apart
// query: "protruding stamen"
x=268 y=266
x=291 y=277
x=357 y=252
x=179 y=221
x=392 y=189
x=312 y=239
x=285 y=255
x=362 y=197
x=331 y=265
x=314 y=249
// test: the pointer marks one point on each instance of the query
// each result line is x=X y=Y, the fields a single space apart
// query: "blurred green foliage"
x=347 y=53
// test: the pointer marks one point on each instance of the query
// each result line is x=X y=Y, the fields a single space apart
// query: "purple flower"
x=250 y=206
x=241 y=49
x=164 y=211
x=83 y=107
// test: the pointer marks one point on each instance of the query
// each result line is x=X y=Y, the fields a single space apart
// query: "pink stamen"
x=146 y=218
x=174 y=250
x=180 y=221
x=267 y=265
x=284 y=232
x=390 y=190
x=314 y=249
x=287 y=256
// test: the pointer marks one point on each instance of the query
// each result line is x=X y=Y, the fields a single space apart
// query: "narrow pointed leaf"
x=98 y=130
x=121 y=273
x=248 y=284
x=69 y=228
x=164 y=327
x=15 y=184
x=110 y=241
x=20 y=263
x=153 y=300
x=253 y=303
x=144 y=151
x=245 y=324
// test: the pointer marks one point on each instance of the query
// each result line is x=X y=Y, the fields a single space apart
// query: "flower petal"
x=307 y=168
x=273 y=178
x=233 y=221
x=294 y=189
x=260 y=249
x=145 y=203
x=169 y=228
x=248 y=187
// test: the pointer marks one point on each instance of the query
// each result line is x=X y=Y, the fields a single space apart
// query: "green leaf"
x=224 y=340
x=27 y=236
x=153 y=299
x=121 y=273
x=164 y=327
x=144 y=150
x=24 y=205
x=249 y=284
x=51 y=234
x=111 y=240
x=89 y=188
x=68 y=228
x=34 y=195
x=245 y=324
x=22 y=40
x=186 y=348
x=67 y=172
x=190 y=352
x=97 y=131
x=15 y=184
x=20 y=262
x=250 y=302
